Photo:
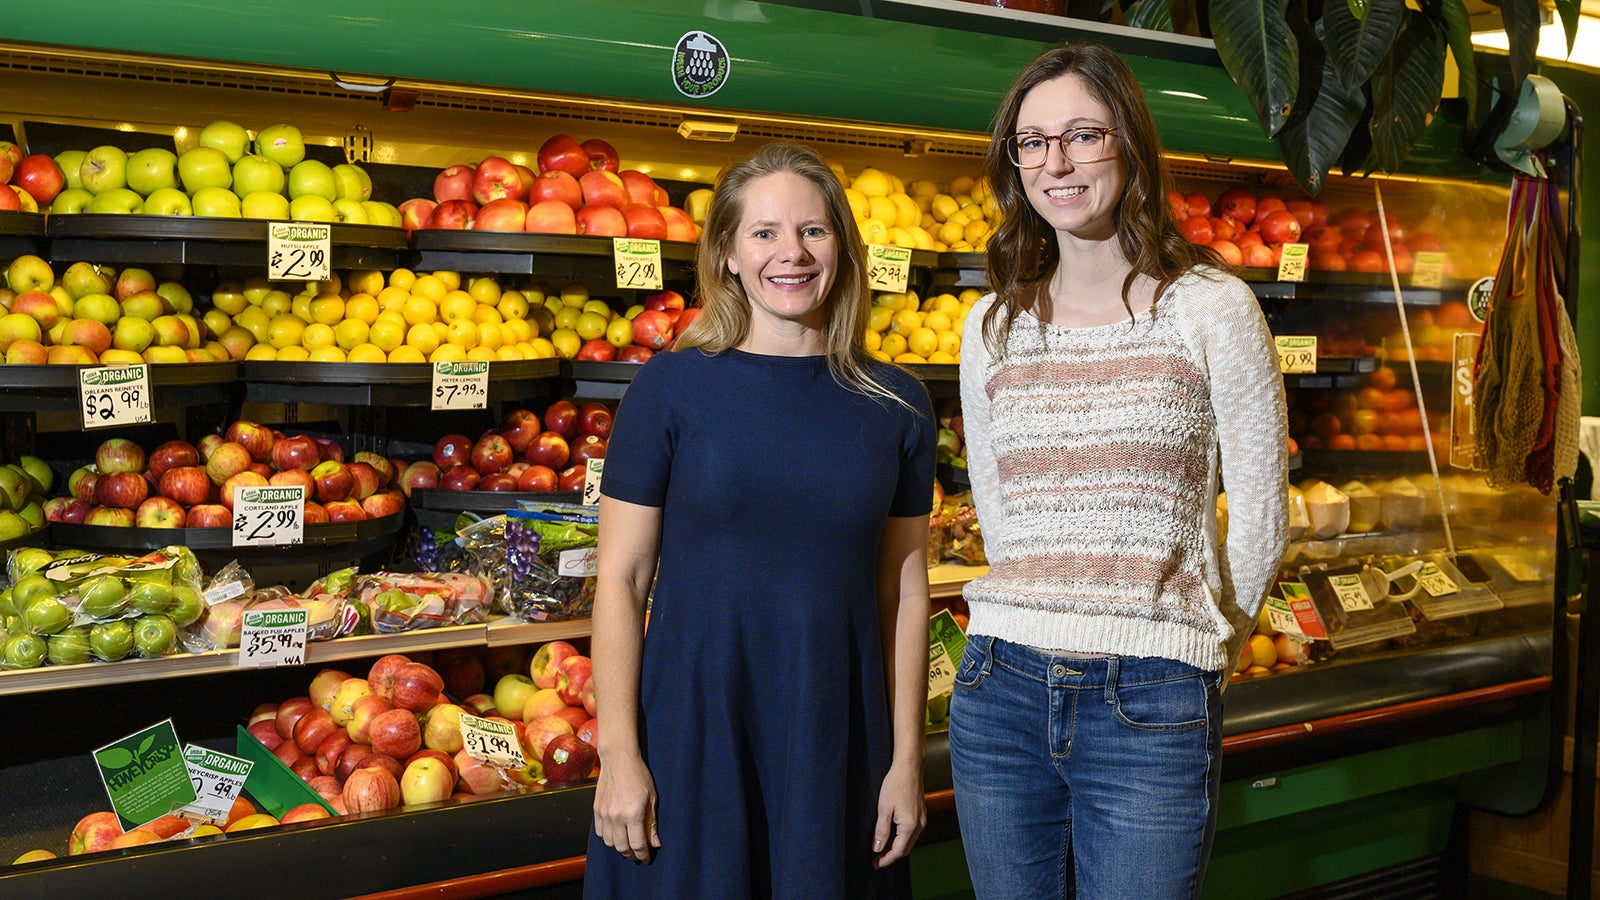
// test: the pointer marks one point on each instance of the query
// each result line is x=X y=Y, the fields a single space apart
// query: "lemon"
x=597 y=306
x=874 y=231
x=393 y=297
x=362 y=308
x=947 y=304
x=482 y=353
x=535 y=293
x=350 y=333
x=943 y=207
x=893 y=344
x=457 y=305
x=519 y=330
x=574 y=295
x=510 y=353
x=254 y=320
x=858 y=203
x=976 y=230
x=512 y=305
x=366 y=353
x=317 y=335
x=541 y=320
x=962 y=184
x=882 y=209
x=873 y=183
x=296 y=353
x=419 y=310
x=952 y=232
x=440 y=330
x=566 y=317
x=590 y=325
x=276 y=303
x=285 y=331
x=423 y=338
x=300 y=307
x=365 y=281
x=255 y=289
x=971 y=296
x=879 y=355
x=447 y=353
x=880 y=317
x=329 y=353
x=619 y=332
x=328 y=309
x=402 y=279
x=429 y=286
x=543 y=349
x=872 y=341
x=910 y=359
x=491 y=335
x=950 y=342
x=941 y=358
x=907 y=321
x=936 y=320
x=922 y=341
x=261 y=352
x=405 y=353
x=907 y=212
x=484 y=315
x=451 y=280
x=464 y=334
x=900 y=237
x=566 y=342
x=485 y=290
x=921 y=237
x=228 y=298
x=217 y=322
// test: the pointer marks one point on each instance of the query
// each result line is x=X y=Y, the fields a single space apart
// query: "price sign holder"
x=218 y=781
x=946 y=644
x=638 y=263
x=144 y=775
x=1351 y=592
x=888 y=268
x=269 y=516
x=463 y=384
x=1436 y=582
x=1281 y=615
x=1427 y=269
x=299 y=251
x=592 y=472
x=1297 y=354
x=492 y=743
x=1292 y=264
x=274 y=637
x=1298 y=596
x=114 y=395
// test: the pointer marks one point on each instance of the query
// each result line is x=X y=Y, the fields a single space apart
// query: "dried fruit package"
x=408 y=601
x=551 y=555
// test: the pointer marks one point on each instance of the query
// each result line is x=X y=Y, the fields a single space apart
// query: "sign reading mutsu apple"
x=269 y=516
x=492 y=743
x=114 y=395
x=273 y=637
x=463 y=384
x=298 y=251
x=888 y=268
x=638 y=263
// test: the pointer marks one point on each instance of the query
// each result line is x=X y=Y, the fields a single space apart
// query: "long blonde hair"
x=725 y=321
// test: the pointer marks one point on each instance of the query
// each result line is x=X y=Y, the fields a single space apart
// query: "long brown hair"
x=725 y=321
x=1023 y=250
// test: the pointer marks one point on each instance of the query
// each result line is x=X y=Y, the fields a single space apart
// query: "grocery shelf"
x=1365 y=462
x=327 y=534
x=504 y=631
x=550 y=256
x=381 y=384
x=197 y=240
x=20 y=233
x=493 y=502
x=947 y=579
x=173 y=386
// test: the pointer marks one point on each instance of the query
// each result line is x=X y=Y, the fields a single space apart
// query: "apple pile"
x=102 y=830
x=592 y=331
x=578 y=189
x=554 y=450
x=97 y=315
x=364 y=316
x=181 y=485
x=922 y=215
x=24 y=487
x=25 y=178
x=225 y=175
x=555 y=704
x=903 y=329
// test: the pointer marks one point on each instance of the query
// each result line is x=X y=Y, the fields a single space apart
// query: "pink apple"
x=416 y=687
x=542 y=702
x=227 y=460
x=641 y=188
x=395 y=732
x=603 y=221
x=679 y=226
x=497 y=179
x=504 y=214
x=574 y=672
x=416 y=212
x=383 y=503
x=382 y=674
x=422 y=474
x=209 y=515
x=644 y=221
x=563 y=152
x=258 y=439
x=550 y=217
x=453 y=183
x=454 y=215
x=557 y=186
x=603 y=188
x=123 y=490
x=289 y=714
x=545 y=668
x=246 y=478
x=371 y=790
x=172 y=455
x=477 y=778
x=441 y=727
x=159 y=512
x=537 y=733
x=295 y=452
x=334 y=481
x=364 y=480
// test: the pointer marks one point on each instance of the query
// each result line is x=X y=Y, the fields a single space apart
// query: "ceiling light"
x=1553 y=43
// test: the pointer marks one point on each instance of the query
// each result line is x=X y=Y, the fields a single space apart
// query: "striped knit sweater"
x=1094 y=460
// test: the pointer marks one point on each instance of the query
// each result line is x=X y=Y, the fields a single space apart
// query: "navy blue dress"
x=764 y=714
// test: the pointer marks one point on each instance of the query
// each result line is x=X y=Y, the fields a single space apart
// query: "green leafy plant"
x=1347 y=83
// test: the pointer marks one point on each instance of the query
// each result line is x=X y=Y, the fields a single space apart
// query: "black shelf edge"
x=312 y=374
x=441 y=500
x=65 y=378
x=1364 y=461
x=104 y=537
x=22 y=224
x=521 y=242
x=201 y=228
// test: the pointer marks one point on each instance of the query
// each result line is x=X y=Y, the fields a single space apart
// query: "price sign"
x=460 y=385
x=1351 y=592
x=1436 y=582
x=946 y=645
x=114 y=395
x=1292 y=264
x=273 y=637
x=1281 y=616
x=269 y=516
x=298 y=251
x=638 y=263
x=592 y=471
x=1305 y=610
x=218 y=781
x=1297 y=354
x=1427 y=269
x=144 y=775
x=491 y=743
x=888 y=268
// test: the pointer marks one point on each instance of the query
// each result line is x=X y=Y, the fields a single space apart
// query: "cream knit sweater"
x=1093 y=455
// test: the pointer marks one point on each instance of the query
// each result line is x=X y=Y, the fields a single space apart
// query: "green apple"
x=176 y=295
x=40 y=472
x=167 y=201
x=154 y=636
x=33 y=514
x=257 y=174
x=151 y=169
x=71 y=163
x=71 y=200
x=29 y=560
x=102 y=308
x=111 y=641
x=350 y=212
x=46 y=615
x=13 y=525
x=226 y=137
x=15 y=486
x=217 y=322
x=311 y=178
x=282 y=144
x=132 y=333
x=82 y=279
x=186 y=606
x=216 y=202
x=352 y=182
x=24 y=651
x=103 y=597
x=104 y=168
x=69 y=648
x=147 y=305
x=203 y=167
x=116 y=201
x=312 y=208
x=30 y=588
x=150 y=597
x=29 y=273
x=380 y=213
x=265 y=205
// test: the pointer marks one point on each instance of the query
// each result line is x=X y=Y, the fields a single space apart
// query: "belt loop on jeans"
x=1112 y=665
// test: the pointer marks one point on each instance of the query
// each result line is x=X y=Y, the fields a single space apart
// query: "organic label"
x=1297 y=354
x=592 y=471
x=888 y=268
x=114 y=395
x=1292 y=264
x=460 y=385
x=275 y=637
x=269 y=516
x=298 y=251
x=218 y=780
x=946 y=644
x=1436 y=582
x=1427 y=269
x=144 y=775
x=1305 y=610
x=638 y=263
x=491 y=743
x=1351 y=592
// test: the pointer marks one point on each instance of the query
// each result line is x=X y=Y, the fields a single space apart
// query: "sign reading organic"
x=1292 y=264
x=1297 y=354
x=491 y=743
x=218 y=781
x=273 y=637
x=114 y=395
x=145 y=775
x=638 y=263
x=269 y=516
x=298 y=251
x=463 y=384
x=946 y=645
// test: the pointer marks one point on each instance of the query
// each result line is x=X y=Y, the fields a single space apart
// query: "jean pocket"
x=974 y=664
x=1178 y=704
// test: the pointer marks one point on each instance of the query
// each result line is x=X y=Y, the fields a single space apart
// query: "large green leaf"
x=1260 y=55
x=1458 y=34
x=1570 y=11
x=1311 y=144
x=1155 y=15
x=1521 y=19
x=1405 y=90
x=1357 y=46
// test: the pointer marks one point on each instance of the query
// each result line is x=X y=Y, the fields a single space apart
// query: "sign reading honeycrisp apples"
x=114 y=395
x=638 y=263
x=144 y=775
x=946 y=645
x=298 y=251
x=218 y=781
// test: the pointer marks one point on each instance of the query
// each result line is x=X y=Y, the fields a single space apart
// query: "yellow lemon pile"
x=922 y=215
x=905 y=329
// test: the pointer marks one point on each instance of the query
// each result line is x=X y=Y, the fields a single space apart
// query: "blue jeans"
x=1093 y=778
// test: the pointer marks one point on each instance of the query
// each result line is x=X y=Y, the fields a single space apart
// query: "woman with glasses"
x=1116 y=379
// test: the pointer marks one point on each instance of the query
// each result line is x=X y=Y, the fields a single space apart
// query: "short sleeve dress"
x=764 y=713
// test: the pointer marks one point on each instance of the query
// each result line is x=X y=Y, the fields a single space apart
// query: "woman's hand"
x=901 y=813
x=625 y=808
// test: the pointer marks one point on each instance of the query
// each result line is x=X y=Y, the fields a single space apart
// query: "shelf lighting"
x=719 y=130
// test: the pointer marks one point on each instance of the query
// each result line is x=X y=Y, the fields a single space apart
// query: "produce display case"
x=1481 y=697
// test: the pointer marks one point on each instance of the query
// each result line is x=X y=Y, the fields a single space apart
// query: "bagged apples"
x=550 y=555
x=407 y=601
x=234 y=592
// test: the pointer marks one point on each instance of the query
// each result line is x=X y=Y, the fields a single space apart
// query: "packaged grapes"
x=551 y=559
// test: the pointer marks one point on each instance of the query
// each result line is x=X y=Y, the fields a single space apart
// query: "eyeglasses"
x=1079 y=145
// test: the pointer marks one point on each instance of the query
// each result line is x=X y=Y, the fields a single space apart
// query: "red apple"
x=364 y=480
x=492 y=453
x=383 y=503
x=334 y=481
x=550 y=217
x=462 y=671
x=452 y=450
x=315 y=514
x=257 y=439
x=346 y=510
x=159 y=512
x=477 y=778
x=395 y=732
x=1238 y=204
x=326 y=786
x=313 y=728
x=556 y=186
x=454 y=215
x=416 y=687
x=172 y=455
x=209 y=515
x=332 y=747
x=40 y=177
x=266 y=733
x=498 y=481
x=538 y=733
x=497 y=179
x=679 y=226
x=644 y=221
x=416 y=212
x=81 y=483
x=371 y=790
x=573 y=673
x=597 y=350
x=545 y=667
x=480 y=704
x=603 y=188
x=519 y=428
x=453 y=183
x=187 y=485
x=537 y=479
x=351 y=760
x=633 y=353
x=94 y=832
x=596 y=419
x=362 y=712
x=563 y=152
x=246 y=478
x=422 y=474
x=382 y=674
x=566 y=758
x=460 y=478
x=289 y=753
x=226 y=461
x=641 y=188
x=653 y=329
x=504 y=214
x=586 y=448
x=589 y=705
x=561 y=417
x=603 y=221
x=601 y=154
x=122 y=490
x=665 y=300
x=294 y=478
x=118 y=455
x=571 y=478
x=589 y=732
x=304 y=812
